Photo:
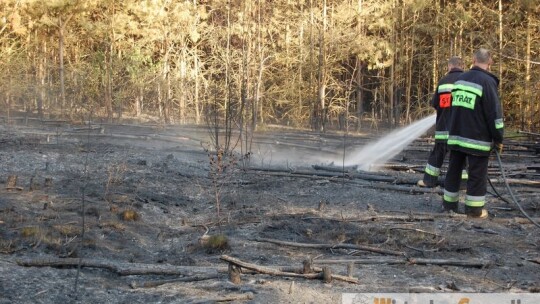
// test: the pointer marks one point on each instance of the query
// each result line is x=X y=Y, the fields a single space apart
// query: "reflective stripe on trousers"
x=432 y=170
x=475 y=201
x=451 y=197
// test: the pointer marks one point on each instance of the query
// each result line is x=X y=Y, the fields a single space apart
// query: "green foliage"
x=218 y=242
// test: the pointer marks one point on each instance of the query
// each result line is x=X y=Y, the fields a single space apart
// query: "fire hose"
x=514 y=200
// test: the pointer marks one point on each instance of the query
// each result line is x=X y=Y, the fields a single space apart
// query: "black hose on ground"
x=497 y=193
x=510 y=191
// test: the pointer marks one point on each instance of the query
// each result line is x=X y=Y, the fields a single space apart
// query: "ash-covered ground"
x=153 y=201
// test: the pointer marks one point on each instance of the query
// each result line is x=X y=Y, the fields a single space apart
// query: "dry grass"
x=30 y=231
x=129 y=215
x=42 y=235
x=114 y=225
x=67 y=230
x=51 y=240
x=7 y=246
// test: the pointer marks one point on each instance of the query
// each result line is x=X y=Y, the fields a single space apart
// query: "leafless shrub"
x=115 y=177
x=222 y=166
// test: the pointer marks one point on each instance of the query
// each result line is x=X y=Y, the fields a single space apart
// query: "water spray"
x=381 y=151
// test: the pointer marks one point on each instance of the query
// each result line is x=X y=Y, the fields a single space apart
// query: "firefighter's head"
x=482 y=58
x=455 y=62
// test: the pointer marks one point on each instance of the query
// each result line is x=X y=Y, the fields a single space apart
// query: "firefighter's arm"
x=435 y=101
x=493 y=113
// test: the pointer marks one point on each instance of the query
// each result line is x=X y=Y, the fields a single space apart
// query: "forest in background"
x=243 y=64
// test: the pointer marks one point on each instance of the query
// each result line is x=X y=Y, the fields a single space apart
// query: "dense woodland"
x=244 y=64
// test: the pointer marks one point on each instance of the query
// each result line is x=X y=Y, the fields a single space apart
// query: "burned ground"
x=148 y=196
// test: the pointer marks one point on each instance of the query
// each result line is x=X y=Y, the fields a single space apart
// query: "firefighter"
x=475 y=128
x=441 y=101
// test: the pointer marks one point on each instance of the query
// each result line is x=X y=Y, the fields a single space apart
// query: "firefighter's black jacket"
x=441 y=101
x=476 y=121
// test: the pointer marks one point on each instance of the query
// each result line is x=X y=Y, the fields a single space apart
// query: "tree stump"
x=234 y=274
x=11 y=181
x=48 y=182
x=350 y=270
x=308 y=267
x=327 y=274
x=33 y=184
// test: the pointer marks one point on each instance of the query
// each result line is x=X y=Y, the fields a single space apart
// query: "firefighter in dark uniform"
x=441 y=101
x=475 y=128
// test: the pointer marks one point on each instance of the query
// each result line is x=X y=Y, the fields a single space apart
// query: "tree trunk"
x=61 y=60
x=257 y=95
x=159 y=101
x=244 y=83
x=165 y=79
x=168 y=96
x=314 y=111
x=196 y=97
x=359 y=92
x=42 y=80
x=391 y=85
x=182 y=90
x=108 y=84
x=500 y=46
x=359 y=72
x=529 y=108
x=139 y=101
x=322 y=73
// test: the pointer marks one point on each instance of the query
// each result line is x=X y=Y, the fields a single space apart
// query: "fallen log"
x=529 y=133
x=404 y=217
x=125 y=269
x=515 y=181
x=332 y=173
x=398 y=188
x=473 y=263
x=149 y=284
x=275 y=272
x=448 y=262
x=515 y=220
x=415 y=229
x=537 y=260
x=400 y=184
x=122 y=268
x=401 y=167
x=361 y=183
x=331 y=246
x=417 y=218
x=376 y=218
x=15 y=188
x=335 y=168
x=388 y=261
x=407 y=217
x=374 y=177
x=230 y=298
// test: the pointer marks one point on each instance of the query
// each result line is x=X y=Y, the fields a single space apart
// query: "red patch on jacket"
x=445 y=100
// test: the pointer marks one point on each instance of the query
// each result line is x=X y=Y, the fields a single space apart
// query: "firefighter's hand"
x=498 y=147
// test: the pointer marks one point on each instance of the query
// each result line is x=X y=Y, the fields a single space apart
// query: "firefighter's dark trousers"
x=434 y=164
x=476 y=184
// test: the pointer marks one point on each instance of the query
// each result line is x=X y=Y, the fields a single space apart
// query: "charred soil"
x=142 y=214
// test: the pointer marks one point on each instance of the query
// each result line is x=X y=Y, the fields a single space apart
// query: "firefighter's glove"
x=498 y=147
